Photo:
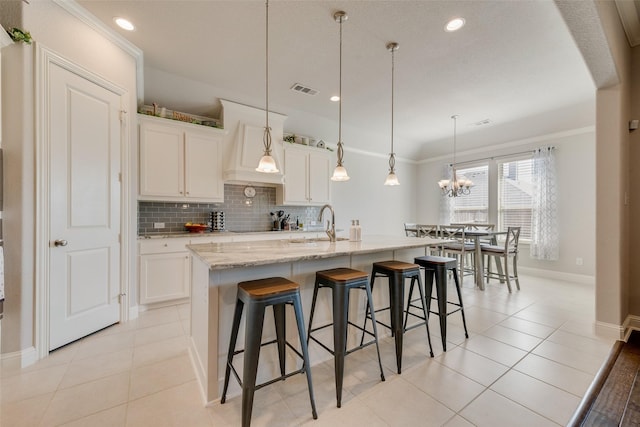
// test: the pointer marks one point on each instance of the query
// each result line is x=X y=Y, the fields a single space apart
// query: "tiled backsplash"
x=239 y=215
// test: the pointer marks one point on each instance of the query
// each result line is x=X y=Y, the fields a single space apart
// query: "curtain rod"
x=502 y=156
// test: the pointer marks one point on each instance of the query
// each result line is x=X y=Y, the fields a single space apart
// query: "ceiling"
x=514 y=63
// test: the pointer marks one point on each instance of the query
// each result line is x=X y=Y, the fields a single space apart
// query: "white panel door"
x=84 y=186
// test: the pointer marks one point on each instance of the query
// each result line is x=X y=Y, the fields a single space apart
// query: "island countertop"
x=219 y=256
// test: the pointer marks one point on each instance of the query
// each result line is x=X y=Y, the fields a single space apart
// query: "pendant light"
x=340 y=173
x=392 y=179
x=267 y=162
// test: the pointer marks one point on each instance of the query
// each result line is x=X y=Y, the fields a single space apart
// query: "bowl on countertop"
x=196 y=228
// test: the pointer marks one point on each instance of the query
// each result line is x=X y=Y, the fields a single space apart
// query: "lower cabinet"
x=165 y=268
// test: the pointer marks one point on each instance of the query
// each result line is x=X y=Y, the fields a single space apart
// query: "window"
x=475 y=206
x=515 y=189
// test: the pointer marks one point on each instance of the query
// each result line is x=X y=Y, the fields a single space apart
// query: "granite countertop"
x=219 y=256
x=222 y=233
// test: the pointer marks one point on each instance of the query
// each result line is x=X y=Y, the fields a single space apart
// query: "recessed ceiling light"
x=125 y=24
x=454 y=25
x=335 y=98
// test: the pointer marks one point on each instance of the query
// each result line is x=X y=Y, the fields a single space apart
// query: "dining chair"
x=508 y=250
x=427 y=230
x=460 y=248
x=410 y=229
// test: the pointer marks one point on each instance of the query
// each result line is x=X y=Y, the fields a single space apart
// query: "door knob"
x=60 y=243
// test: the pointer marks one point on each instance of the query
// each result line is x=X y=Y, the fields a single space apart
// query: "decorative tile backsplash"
x=241 y=214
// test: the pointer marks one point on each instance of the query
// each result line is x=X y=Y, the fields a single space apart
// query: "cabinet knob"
x=165 y=245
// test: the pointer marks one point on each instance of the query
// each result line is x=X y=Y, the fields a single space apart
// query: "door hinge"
x=119 y=238
x=120 y=296
x=122 y=115
x=119 y=176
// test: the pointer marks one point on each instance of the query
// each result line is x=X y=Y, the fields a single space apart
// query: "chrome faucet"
x=331 y=226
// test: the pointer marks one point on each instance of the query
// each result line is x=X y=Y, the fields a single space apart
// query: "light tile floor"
x=529 y=358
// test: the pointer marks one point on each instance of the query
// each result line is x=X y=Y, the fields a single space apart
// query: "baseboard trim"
x=558 y=275
x=631 y=323
x=27 y=357
x=610 y=330
x=134 y=312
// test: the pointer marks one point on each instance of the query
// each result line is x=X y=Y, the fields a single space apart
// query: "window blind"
x=473 y=207
x=515 y=189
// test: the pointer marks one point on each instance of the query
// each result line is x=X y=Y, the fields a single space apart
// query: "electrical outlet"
x=578 y=261
x=158 y=225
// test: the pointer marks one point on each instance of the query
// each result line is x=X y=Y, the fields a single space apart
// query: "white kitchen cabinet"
x=306 y=176
x=165 y=270
x=180 y=161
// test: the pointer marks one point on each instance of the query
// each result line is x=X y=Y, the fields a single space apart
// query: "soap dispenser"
x=353 y=232
x=358 y=231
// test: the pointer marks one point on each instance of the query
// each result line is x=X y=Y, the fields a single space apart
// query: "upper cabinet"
x=180 y=161
x=307 y=172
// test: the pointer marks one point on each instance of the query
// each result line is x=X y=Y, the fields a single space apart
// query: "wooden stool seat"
x=341 y=275
x=257 y=295
x=267 y=287
x=398 y=266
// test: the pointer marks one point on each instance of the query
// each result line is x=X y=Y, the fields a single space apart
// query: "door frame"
x=44 y=58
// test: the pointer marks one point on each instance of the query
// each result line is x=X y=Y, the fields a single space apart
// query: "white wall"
x=575 y=166
x=56 y=29
x=381 y=209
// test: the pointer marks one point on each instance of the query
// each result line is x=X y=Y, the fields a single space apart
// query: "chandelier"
x=456 y=186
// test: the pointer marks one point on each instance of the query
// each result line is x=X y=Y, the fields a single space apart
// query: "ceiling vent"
x=304 y=89
x=481 y=122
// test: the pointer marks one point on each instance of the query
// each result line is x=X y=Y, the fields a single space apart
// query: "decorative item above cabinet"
x=180 y=161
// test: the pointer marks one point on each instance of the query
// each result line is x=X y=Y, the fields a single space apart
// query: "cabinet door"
x=161 y=161
x=296 y=167
x=164 y=277
x=319 y=169
x=203 y=167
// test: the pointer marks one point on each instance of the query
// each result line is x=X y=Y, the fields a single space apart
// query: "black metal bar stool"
x=438 y=266
x=397 y=272
x=341 y=281
x=257 y=295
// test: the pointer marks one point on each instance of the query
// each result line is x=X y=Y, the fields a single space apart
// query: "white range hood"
x=246 y=126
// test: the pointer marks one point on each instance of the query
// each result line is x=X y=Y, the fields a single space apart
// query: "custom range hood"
x=246 y=127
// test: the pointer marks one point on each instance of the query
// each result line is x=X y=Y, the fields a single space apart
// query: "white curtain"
x=544 y=217
x=446 y=202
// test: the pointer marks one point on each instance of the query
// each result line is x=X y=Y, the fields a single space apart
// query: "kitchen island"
x=216 y=269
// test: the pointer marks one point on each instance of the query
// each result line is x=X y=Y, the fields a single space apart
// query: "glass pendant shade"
x=267 y=165
x=340 y=174
x=392 y=179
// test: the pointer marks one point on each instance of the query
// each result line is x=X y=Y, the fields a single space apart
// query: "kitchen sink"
x=317 y=239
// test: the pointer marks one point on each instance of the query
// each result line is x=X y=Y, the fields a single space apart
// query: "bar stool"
x=257 y=295
x=397 y=272
x=341 y=281
x=438 y=266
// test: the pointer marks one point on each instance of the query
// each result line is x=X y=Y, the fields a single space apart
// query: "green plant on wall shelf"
x=18 y=35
